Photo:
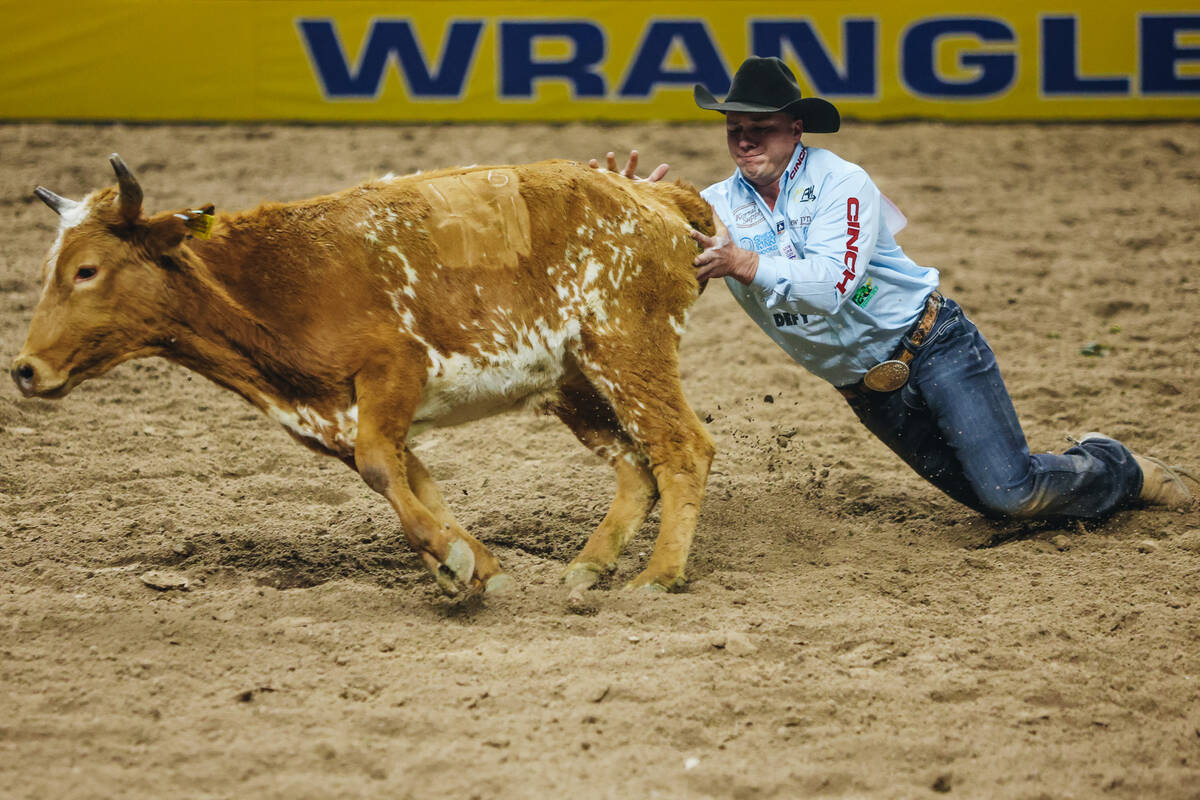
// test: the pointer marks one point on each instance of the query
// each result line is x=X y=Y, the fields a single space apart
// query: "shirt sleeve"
x=841 y=241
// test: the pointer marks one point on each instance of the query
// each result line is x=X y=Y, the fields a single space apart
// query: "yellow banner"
x=358 y=61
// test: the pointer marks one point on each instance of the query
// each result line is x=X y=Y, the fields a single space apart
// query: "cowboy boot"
x=1162 y=484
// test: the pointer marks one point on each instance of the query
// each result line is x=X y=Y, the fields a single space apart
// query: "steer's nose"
x=24 y=374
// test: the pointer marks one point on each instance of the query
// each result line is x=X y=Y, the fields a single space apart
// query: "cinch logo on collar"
x=799 y=161
x=850 y=259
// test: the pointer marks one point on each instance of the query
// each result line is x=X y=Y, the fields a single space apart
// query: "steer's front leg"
x=386 y=404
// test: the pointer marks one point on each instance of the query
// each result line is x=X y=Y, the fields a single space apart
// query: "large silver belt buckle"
x=886 y=376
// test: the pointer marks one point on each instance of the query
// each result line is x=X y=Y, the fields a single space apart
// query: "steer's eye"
x=85 y=274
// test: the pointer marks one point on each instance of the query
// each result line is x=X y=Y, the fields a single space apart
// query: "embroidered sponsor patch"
x=747 y=216
x=864 y=293
x=762 y=243
x=808 y=195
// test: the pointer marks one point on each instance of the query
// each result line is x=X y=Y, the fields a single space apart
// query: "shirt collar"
x=799 y=156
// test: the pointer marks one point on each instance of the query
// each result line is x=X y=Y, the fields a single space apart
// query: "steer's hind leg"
x=426 y=490
x=592 y=420
x=642 y=385
x=386 y=403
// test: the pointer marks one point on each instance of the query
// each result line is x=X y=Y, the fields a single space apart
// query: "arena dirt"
x=847 y=632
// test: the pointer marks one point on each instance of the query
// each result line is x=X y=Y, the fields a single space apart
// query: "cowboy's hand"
x=721 y=257
x=630 y=170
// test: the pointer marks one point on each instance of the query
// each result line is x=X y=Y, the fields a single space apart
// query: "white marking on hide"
x=338 y=434
x=525 y=368
x=72 y=218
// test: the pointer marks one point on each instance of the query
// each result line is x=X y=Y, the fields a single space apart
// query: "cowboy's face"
x=762 y=144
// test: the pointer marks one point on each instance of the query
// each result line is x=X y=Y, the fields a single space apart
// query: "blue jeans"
x=953 y=423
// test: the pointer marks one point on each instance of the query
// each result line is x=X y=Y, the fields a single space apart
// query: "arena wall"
x=361 y=61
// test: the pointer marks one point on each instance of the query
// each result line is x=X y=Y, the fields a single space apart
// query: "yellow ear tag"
x=199 y=221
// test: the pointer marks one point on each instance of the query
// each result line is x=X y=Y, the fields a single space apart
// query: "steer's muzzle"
x=34 y=377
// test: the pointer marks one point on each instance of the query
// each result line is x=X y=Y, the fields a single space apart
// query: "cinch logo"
x=850 y=259
x=799 y=161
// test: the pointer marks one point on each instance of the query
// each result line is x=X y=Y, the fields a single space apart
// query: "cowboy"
x=808 y=248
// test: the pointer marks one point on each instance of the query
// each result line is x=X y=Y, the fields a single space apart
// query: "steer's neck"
x=219 y=327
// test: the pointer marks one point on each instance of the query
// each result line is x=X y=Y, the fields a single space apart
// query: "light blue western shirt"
x=833 y=288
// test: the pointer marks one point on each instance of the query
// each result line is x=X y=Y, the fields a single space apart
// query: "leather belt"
x=890 y=375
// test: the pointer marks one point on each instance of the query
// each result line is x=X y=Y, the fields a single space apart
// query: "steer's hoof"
x=447 y=583
x=579 y=577
x=454 y=574
x=460 y=561
x=653 y=584
x=499 y=585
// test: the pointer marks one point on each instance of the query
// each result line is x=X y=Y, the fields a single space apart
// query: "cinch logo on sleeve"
x=850 y=259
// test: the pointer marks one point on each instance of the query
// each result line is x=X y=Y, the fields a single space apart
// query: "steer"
x=357 y=319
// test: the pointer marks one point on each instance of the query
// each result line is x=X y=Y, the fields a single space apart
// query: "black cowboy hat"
x=766 y=85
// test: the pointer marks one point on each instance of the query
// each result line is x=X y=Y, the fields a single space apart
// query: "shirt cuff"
x=766 y=278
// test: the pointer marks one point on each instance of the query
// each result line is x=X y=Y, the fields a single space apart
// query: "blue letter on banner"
x=648 y=71
x=1060 y=62
x=518 y=69
x=767 y=38
x=996 y=71
x=385 y=38
x=1161 y=54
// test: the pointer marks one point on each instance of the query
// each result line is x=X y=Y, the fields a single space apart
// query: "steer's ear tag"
x=199 y=221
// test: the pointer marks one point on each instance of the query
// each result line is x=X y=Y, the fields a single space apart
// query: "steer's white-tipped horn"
x=61 y=205
x=131 y=192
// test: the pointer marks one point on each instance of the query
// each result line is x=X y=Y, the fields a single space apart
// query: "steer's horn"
x=131 y=192
x=61 y=205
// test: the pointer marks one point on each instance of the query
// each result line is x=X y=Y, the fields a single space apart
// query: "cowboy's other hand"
x=721 y=257
x=630 y=170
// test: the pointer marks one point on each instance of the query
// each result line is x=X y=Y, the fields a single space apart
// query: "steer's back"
x=484 y=276
x=546 y=235
x=497 y=270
